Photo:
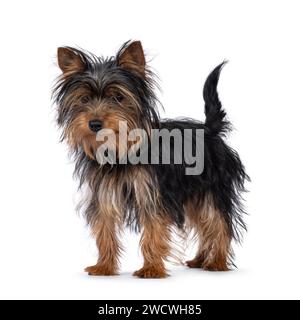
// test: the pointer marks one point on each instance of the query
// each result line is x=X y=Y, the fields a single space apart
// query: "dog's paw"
x=151 y=272
x=98 y=270
x=216 y=267
x=195 y=263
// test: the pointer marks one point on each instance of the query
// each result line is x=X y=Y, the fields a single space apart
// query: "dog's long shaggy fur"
x=154 y=197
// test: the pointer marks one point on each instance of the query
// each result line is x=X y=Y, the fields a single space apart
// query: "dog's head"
x=95 y=93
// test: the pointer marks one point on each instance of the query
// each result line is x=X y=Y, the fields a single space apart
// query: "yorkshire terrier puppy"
x=95 y=95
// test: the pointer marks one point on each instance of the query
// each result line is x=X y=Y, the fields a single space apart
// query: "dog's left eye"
x=85 y=99
x=119 y=97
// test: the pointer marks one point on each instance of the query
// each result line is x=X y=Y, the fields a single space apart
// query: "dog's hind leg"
x=214 y=251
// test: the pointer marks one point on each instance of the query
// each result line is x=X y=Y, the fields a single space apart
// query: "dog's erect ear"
x=69 y=60
x=132 y=58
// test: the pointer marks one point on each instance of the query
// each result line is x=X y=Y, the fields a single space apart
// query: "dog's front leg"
x=106 y=234
x=155 y=246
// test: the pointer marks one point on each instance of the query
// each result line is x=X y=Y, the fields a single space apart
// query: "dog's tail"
x=215 y=114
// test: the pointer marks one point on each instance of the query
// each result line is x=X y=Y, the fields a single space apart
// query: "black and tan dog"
x=95 y=93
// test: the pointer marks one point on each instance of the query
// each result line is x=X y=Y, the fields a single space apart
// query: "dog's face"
x=95 y=93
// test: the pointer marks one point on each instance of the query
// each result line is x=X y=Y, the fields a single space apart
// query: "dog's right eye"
x=85 y=99
x=119 y=97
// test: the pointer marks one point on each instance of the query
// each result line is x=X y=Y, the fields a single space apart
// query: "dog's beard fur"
x=154 y=198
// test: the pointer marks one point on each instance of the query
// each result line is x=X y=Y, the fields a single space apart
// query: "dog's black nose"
x=95 y=125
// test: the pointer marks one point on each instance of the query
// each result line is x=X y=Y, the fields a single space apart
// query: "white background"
x=44 y=245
